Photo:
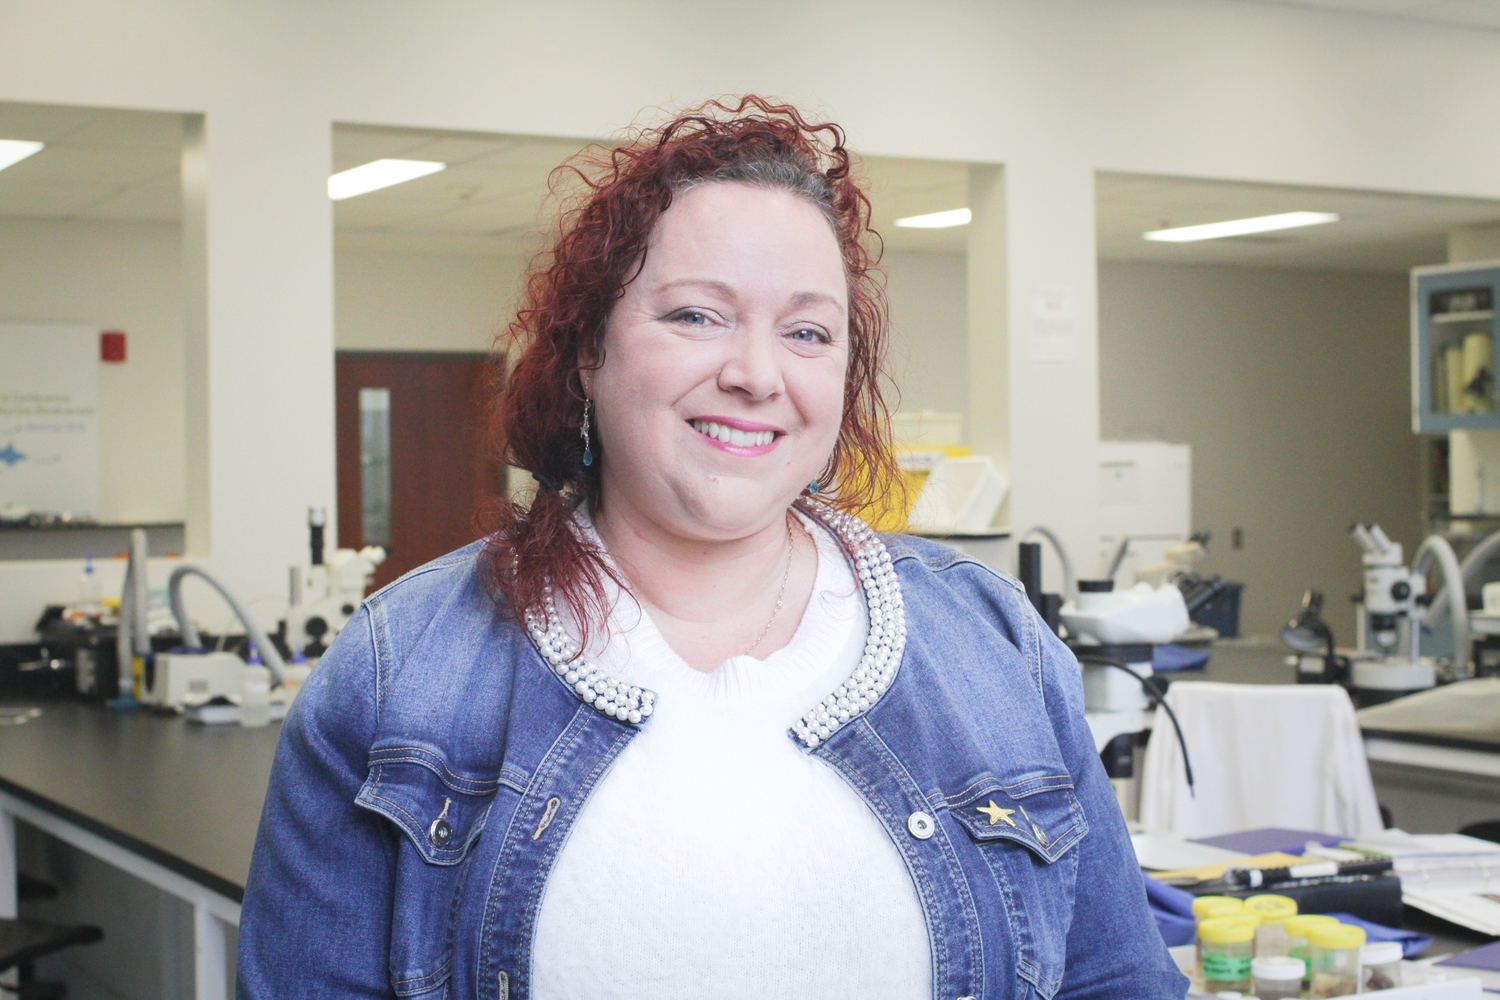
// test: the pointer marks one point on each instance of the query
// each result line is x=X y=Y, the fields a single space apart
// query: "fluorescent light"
x=937 y=220
x=378 y=174
x=1241 y=227
x=13 y=151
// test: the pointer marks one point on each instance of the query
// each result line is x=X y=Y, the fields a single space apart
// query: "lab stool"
x=23 y=941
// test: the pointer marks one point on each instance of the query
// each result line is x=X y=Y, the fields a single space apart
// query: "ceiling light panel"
x=378 y=174
x=13 y=151
x=1241 y=227
x=937 y=220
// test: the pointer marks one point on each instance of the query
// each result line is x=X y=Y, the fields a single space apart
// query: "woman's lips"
x=737 y=437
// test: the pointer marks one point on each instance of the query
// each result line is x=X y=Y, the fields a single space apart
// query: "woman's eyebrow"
x=718 y=286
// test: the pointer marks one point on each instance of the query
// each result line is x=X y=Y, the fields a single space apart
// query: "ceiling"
x=493 y=197
x=1467 y=13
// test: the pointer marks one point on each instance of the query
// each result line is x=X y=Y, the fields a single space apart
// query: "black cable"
x=1152 y=691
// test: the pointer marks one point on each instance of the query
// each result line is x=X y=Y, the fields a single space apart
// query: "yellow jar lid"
x=1273 y=909
x=1227 y=930
x=1205 y=907
x=1338 y=936
x=1302 y=925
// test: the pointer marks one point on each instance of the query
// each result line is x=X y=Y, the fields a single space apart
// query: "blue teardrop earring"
x=588 y=453
x=812 y=488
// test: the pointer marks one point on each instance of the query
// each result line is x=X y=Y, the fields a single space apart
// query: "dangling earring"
x=812 y=488
x=588 y=453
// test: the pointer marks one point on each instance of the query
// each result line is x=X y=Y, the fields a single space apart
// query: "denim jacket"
x=430 y=770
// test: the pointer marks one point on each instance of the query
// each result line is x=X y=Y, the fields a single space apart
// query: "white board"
x=49 y=429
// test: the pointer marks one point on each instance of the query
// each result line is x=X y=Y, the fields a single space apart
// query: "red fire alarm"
x=112 y=345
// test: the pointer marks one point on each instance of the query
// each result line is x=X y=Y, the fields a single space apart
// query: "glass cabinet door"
x=1453 y=346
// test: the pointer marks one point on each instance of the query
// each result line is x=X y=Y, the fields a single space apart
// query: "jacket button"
x=921 y=825
x=441 y=832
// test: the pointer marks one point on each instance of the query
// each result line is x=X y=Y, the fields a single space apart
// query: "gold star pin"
x=996 y=814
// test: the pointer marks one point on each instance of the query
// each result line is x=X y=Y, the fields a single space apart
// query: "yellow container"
x=1205 y=907
x=1227 y=946
x=1274 y=910
x=1335 y=960
x=1297 y=930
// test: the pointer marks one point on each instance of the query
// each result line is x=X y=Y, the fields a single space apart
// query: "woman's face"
x=721 y=391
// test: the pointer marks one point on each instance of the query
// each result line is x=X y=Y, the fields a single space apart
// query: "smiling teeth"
x=741 y=439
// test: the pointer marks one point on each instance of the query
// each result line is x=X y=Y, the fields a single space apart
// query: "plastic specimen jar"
x=1271 y=938
x=1227 y=943
x=1380 y=966
x=1207 y=908
x=1335 y=960
x=1277 y=977
x=1297 y=930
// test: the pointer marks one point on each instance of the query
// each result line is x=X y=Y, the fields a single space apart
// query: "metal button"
x=921 y=825
x=441 y=832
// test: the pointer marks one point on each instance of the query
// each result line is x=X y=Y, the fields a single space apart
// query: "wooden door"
x=426 y=410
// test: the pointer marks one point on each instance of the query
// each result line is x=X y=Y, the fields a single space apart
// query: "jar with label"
x=1207 y=908
x=1271 y=938
x=1277 y=977
x=1297 y=930
x=1335 y=960
x=1380 y=966
x=1227 y=943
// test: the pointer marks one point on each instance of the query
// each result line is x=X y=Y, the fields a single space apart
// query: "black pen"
x=1256 y=878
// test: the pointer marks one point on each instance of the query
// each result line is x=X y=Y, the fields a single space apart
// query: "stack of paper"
x=1447 y=874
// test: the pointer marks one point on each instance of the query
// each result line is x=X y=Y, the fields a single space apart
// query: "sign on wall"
x=49 y=432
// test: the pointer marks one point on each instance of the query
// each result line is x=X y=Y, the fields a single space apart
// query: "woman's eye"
x=691 y=317
x=811 y=335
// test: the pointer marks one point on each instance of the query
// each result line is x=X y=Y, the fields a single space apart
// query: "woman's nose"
x=753 y=366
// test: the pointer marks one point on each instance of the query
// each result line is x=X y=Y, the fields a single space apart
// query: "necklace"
x=885 y=642
x=786 y=575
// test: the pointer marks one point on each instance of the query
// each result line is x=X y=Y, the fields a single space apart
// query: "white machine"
x=1390 y=618
x=324 y=595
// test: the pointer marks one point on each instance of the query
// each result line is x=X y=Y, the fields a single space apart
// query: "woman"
x=684 y=727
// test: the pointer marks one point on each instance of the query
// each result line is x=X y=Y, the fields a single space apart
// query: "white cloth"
x=1263 y=755
x=718 y=860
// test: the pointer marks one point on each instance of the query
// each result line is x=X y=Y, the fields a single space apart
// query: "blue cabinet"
x=1453 y=343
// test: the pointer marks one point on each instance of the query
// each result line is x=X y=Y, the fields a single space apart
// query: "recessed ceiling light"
x=1241 y=227
x=13 y=151
x=937 y=220
x=378 y=174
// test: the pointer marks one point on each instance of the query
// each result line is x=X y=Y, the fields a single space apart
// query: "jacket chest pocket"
x=440 y=814
x=1026 y=830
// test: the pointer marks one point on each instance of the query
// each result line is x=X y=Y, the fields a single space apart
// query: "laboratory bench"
x=161 y=799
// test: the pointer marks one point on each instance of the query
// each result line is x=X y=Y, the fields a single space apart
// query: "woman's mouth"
x=736 y=440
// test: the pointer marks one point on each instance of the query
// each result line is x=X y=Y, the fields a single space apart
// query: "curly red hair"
x=572 y=287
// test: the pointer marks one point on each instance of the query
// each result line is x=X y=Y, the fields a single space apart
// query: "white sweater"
x=717 y=859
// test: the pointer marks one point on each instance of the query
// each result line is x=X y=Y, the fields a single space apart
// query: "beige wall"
x=119 y=276
x=394 y=301
x=929 y=330
x=1292 y=388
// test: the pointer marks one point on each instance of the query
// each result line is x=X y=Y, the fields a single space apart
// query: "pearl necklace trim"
x=884 y=643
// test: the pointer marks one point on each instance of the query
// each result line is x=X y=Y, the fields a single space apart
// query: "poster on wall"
x=49 y=430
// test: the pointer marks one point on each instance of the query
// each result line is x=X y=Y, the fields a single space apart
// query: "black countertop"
x=185 y=796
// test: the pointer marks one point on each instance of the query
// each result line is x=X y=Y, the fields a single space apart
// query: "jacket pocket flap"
x=440 y=811
x=1041 y=813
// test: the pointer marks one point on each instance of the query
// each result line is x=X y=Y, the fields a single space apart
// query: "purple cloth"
x=1269 y=839
x=1170 y=657
x=1173 y=909
x=1412 y=943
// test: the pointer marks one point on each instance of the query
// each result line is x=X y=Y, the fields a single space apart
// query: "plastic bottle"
x=1380 y=966
x=255 y=693
x=1335 y=960
x=1277 y=977
x=90 y=594
x=1227 y=943
x=1297 y=930
x=1271 y=938
x=1207 y=908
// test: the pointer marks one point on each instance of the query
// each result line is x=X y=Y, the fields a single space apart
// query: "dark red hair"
x=572 y=287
